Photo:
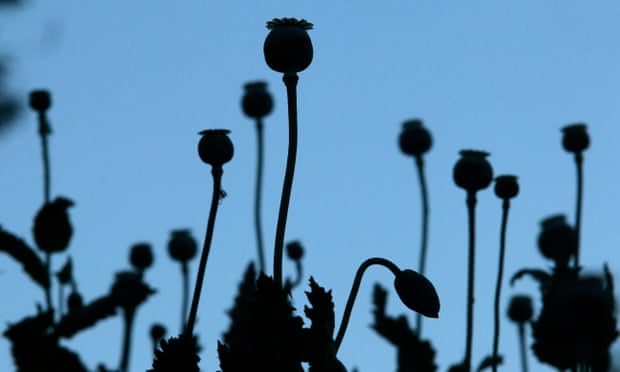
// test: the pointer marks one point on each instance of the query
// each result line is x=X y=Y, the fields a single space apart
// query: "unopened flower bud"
x=294 y=250
x=417 y=293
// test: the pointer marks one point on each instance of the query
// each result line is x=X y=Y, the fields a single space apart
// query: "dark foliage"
x=22 y=253
x=177 y=354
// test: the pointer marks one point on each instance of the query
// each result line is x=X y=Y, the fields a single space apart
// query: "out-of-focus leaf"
x=177 y=354
x=65 y=275
x=489 y=362
x=540 y=276
x=22 y=253
x=322 y=311
x=129 y=291
x=86 y=316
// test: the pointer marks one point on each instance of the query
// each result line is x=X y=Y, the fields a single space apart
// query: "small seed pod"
x=575 y=138
x=40 y=100
x=157 y=332
x=141 y=256
x=52 y=227
x=414 y=139
x=557 y=240
x=294 y=250
x=257 y=101
x=506 y=186
x=288 y=48
x=417 y=293
x=182 y=246
x=472 y=171
x=215 y=148
x=520 y=309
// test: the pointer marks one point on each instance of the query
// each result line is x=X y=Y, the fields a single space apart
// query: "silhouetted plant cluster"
x=573 y=330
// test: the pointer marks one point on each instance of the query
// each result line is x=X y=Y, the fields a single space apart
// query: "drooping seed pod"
x=52 y=227
x=417 y=293
x=294 y=250
x=506 y=186
x=472 y=171
x=288 y=48
x=215 y=148
x=414 y=139
x=256 y=102
x=575 y=138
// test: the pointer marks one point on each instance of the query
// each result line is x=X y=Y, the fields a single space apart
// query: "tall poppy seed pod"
x=294 y=250
x=40 y=100
x=417 y=293
x=256 y=102
x=141 y=256
x=215 y=148
x=182 y=246
x=414 y=139
x=575 y=138
x=557 y=239
x=472 y=171
x=288 y=47
x=520 y=309
x=506 y=186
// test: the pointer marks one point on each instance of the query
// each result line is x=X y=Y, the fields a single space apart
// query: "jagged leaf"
x=86 y=316
x=322 y=311
x=22 y=253
x=65 y=275
x=177 y=354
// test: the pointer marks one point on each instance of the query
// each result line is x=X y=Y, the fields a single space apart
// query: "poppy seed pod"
x=520 y=309
x=414 y=139
x=52 y=227
x=557 y=240
x=575 y=138
x=472 y=171
x=288 y=47
x=40 y=100
x=257 y=101
x=506 y=186
x=294 y=250
x=141 y=256
x=182 y=246
x=417 y=293
x=157 y=332
x=215 y=148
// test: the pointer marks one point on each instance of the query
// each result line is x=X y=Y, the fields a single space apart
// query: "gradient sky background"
x=133 y=82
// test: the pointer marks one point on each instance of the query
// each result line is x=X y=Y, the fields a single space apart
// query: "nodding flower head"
x=520 y=309
x=414 y=139
x=182 y=246
x=575 y=138
x=257 y=101
x=40 y=100
x=141 y=256
x=506 y=186
x=557 y=240
x=288 y=48
x=215 y=148
x=417 y=293
x=472 y=171
x=294 y=250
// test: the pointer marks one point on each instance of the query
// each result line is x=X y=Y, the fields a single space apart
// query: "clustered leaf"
x=22 y=253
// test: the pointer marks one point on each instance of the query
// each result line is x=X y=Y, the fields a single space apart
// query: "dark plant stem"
x=60 y=300
x=522 y=349
x=579 y=164
x=500 y=274
x=128 y=317
x=355 y=288
x=424 y=235
x=471 y=208
x=290 y=80
x=185 y=290
x=258 y=194
x=44 y=131
x=217 y=187
x=290 y=284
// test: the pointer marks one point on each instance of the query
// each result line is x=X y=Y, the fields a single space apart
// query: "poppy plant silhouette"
x=265 y=331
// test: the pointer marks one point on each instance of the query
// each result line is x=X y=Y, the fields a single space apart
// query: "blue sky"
x=133 y=83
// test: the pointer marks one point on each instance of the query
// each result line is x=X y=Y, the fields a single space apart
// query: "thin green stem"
x=44 y=131
x=424 y=234
x=522 y=349
x=290 y=80
x=258 y=194
x=217 y=187
x=128 y=317
x=579 y=164
x=500 y=274
x=185 y=294
x=355 y=288
x=471 y=208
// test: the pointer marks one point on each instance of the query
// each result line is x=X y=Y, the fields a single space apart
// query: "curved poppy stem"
x=471 y=209
x=44 y=131
x=185 y=293
x=128 y=318
x=500 y=274
x=217 y=188
x=355 y=288
x=257 y=195
x=579 y=165
x=290 y=80
x=424 y=234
